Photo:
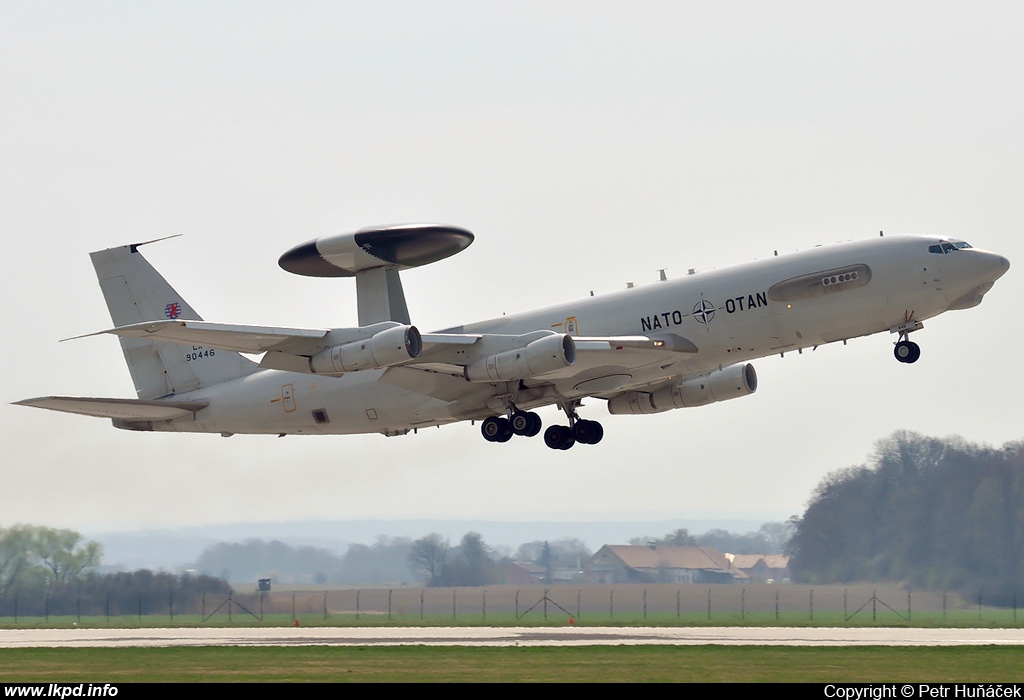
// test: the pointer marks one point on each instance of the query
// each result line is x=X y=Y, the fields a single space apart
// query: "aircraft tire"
x=535 y=424
x=492 y=429
x=559 y=437
x=520 y=423
x=907 y=351
x=585 y=432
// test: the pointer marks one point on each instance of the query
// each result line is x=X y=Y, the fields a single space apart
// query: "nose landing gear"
x=907 y=350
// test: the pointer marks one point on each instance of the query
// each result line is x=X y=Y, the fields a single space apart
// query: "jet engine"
x=725 y=384
x=383 y=349
x=543 y=355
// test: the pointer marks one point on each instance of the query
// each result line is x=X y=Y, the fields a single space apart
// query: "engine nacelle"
x=383 y=349
x=729 y=383
x=543 y=355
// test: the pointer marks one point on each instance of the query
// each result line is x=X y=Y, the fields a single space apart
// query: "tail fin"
x=135 y=292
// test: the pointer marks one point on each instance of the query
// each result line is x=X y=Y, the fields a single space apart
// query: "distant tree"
x=385 y=561
x=568 y=553
x=547 y=560
x=65 y=555
x=17 y=556
x=678 y=538
x=937 y=513
x=473 y=553
x=427 y=554
x=254 y=559
x=34 y=557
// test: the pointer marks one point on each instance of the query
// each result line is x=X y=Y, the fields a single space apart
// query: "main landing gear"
x=528 y=424
x=497 y=429
x=562 y=437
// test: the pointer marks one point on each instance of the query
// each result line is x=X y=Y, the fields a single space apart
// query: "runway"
x=507 y=636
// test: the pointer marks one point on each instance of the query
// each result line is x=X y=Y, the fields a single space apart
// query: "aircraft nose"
x=992 y=265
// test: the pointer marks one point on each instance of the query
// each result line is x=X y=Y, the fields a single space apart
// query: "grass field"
x=547 y=664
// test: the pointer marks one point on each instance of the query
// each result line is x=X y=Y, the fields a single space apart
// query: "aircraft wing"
x=224 y=336
x=603 y=366
x=123 y=409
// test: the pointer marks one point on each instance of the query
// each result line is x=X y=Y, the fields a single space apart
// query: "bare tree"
x=428 y=555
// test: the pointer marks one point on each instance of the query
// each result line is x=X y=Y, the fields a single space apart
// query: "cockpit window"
x=947 y=247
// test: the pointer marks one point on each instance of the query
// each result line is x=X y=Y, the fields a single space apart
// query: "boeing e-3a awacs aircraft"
x=670 y=344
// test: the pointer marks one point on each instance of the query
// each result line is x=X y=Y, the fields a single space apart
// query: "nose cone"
x=993 y=265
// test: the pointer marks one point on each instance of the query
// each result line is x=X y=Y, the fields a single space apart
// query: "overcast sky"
x=586 y=144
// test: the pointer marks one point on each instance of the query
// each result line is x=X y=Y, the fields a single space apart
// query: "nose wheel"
x=907 y=351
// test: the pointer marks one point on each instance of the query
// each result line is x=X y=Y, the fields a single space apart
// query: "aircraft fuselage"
x=732 y=315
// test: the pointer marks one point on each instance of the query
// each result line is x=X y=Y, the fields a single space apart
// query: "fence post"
x=421 y=604
x=645 y=605
x=709 y=604
x=357 y=603
x=390 y=591
x=454 y=590
x=484 y=605
x=743 y=604
x=678 y=592
x=776 y=604
x=578 y=604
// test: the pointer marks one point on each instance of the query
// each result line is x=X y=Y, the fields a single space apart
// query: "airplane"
x=646 y=349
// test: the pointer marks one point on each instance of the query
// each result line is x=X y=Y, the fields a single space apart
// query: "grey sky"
x=585 y=144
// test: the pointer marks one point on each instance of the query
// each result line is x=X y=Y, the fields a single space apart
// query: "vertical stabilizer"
x=135 y=292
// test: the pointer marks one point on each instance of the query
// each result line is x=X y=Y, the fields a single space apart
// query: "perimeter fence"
x=624 y=604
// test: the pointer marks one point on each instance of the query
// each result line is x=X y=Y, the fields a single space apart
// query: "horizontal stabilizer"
x=123 y=409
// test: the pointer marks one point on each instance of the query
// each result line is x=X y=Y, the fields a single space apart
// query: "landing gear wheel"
x=520 y=422
x=534 y=426
x=495 y=429
x=588 y=432
x=559 y=437
x=907 y=351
